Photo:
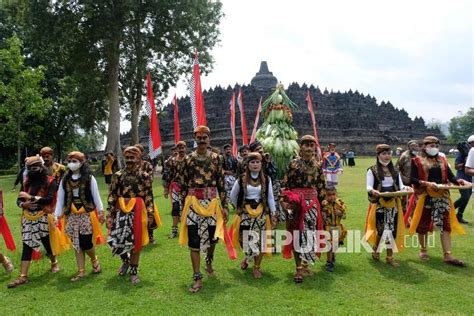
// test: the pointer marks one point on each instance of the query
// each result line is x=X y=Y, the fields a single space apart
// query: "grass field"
x=358 y=286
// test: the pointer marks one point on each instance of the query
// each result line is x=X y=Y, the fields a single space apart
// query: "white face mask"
x=73 y=166
x=433 y=151
x=384 y=163
x=414 y=152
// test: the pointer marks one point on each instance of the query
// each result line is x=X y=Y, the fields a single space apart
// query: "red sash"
x=204 y=193
x=300 y=195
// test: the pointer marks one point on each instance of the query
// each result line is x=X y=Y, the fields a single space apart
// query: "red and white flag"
x=257 y=116
x=154 y=139
x=313 y=119
x=232 y=125
x=177 y=133
x=195 y=95
x=245 y=139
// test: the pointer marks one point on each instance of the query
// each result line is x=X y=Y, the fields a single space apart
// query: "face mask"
x=73 y=166
x=384 y=163
x=414 y=152
x=432 y=151
x=34 y=173
x=130 y=163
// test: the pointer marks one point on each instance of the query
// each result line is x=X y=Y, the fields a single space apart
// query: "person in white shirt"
x=79 y=201
x=385 y=214
x=469 y=165
x=252 y=196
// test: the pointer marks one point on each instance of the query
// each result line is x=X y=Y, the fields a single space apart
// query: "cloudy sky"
x=416 y=54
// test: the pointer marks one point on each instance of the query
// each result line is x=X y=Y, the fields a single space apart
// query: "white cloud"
x=417 y=54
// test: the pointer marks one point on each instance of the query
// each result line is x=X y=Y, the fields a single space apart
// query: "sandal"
x=330 y=266
x=424 y=255
x=55 y=267
x=197 y=277
x=257 y=274
x=244 y=264
x=392 y=262
x=124 y=268
x=96 y=268
x=22 y=279
x=174 y=233
x=307 y=271
x=80 y=274
x=376 y=256
x=8 y=265
x=134 y=279
x=298 y=278
x=134 y=274
x=453 y=261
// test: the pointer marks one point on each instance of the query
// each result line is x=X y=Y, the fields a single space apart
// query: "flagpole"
x=177 y=133
x=232 y=125
x=243 y=121
x=313 y=119
x=154 y=138
x=255 y=124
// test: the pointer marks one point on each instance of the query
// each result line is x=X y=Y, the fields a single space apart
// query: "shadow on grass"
x=211 y=287
x=405 y=273
x=152 y=247
x=437 y=263
x=247 y=277
x=64 y=283
x=122 y=284
x=36 y=281
x=321 y=280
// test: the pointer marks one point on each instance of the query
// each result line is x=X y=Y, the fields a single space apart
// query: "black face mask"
x=34 y=173
x=131 y=163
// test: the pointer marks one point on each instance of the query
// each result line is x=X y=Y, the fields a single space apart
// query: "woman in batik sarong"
x=252 y=196
x=79 y=204
x=385 y=218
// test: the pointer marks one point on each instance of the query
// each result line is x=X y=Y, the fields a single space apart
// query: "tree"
x=157 y=35
x=88 y=47
x=72 y=81
x=462 y=126
x=21 y=96
x=160 y=37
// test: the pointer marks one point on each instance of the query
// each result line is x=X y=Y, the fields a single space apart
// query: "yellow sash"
x=97 y=234
x=156 y=215
x=57 y=238
x=214 y=208
x=35 y=217
x=253 y=213
x=453 y=220
x=371 y=224
x=65 y=241
x=128 y=207
x=74 y=209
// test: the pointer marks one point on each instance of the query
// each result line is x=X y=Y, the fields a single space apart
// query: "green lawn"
x=358 y=286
